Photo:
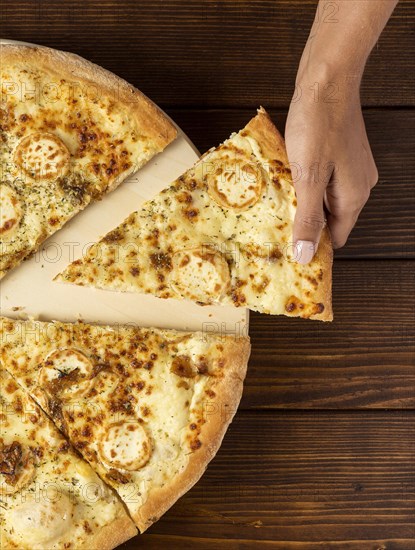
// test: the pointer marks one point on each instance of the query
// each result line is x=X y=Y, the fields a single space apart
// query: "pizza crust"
x=154 y=130
x=112 y=535
x=228 y=392
x=263 y=275
x=324 y=294
x=42 y=460
x=68 y=65
x=211 y=405
x=262 y=129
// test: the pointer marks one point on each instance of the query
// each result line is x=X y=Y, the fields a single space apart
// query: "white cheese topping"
x=199 y=274
x=236 y=183
x=62 y=363
x=11 y=211
x=126 y=445
x=42 y=156
x=41 y=520
x=57 y=500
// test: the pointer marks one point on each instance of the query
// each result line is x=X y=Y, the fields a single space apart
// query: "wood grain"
x=311 y=479
x=365 y=358
x=208 y=53
x=386 y=227
x=173 y=542
x=284 y=478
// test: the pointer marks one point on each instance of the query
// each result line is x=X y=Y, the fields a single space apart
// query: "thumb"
x=309 y=219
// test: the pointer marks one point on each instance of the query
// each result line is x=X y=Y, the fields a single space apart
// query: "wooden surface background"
x=321 y=454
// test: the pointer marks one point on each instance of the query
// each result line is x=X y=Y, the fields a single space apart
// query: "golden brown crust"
x=223 y=389
x=112 y=535
x=307 y=290
x=152 y=124
x=53 y=470
x=272 y=144
x=148 y=116
x=268 y=137
x=228 y=392
x=323 y=295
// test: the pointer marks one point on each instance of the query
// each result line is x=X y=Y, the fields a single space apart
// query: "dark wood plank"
x=285 y=480
x=228 y=53
x=386 y=227
x=282 y=479
x=172 y=542
x=365 y=358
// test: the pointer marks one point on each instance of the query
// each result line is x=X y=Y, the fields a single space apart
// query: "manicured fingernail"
x=305 y=251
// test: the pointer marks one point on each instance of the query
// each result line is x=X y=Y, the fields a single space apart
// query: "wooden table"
x=321 y=453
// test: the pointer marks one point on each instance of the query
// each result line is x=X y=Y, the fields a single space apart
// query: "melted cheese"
x=25 y=472
x=41 y=520
x=199 y=275
x=62 y=147
x=144 y=415
x=234 y=201
x=235 y=183
x=57 y=499
x=42 y=156
x=11 y=212
x=61 y=364
x=125 y=445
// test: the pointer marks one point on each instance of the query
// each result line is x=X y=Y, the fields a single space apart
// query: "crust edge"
x=272 y=144
x=146 y=113
x=228 y=392
x=110 y=536
x=159 y=129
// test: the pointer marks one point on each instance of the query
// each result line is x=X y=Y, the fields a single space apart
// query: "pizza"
x=49 y=497
x=220 y=234
x=146 y=408
x=70 y=132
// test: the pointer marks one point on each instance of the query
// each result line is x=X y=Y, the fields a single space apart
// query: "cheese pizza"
x=70 y=132
x=49 y=497
x=147 y=408
x=220 y=234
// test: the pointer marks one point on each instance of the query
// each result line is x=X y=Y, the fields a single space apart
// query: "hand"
x=331 y=161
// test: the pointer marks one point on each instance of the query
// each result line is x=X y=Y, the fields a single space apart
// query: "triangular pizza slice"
x=50 y=498
x=70 y=132
x=147 y=408
x=220 y=234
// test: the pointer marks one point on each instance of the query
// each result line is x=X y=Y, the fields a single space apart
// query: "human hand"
x=331 y=161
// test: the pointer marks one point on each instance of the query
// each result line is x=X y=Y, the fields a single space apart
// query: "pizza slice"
x=50 y=498
x=220 y=234
x=147 y=408
x=70 y=132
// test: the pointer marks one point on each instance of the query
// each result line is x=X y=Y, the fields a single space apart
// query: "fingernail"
x=305 y=251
